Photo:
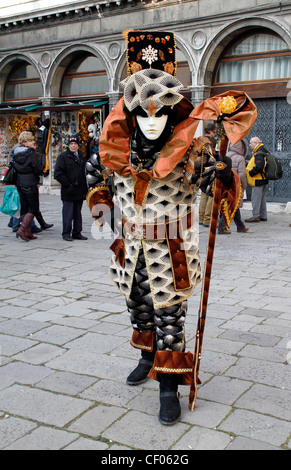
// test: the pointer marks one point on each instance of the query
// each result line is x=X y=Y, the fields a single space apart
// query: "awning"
x=95 y=104
x=19 y=109
x=69 y=106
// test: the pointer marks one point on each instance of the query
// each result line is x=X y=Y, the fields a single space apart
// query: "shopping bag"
x=10 y=174
x=11 y=201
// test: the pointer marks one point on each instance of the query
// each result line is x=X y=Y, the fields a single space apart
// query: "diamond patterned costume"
x=156 y=261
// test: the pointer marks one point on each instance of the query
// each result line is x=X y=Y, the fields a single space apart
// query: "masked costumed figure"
x=148 y=145
x=93 y=143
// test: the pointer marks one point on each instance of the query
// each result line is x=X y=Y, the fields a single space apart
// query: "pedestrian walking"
x=14 y=222
x=29 y=168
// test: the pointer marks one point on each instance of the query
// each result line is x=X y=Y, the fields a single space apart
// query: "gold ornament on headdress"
x=228 y=104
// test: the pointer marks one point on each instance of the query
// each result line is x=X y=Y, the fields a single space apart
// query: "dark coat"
x=28 y=166
x=257 y=165
x=70 y=173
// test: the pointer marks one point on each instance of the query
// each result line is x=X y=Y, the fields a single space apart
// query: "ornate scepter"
x=220 y=165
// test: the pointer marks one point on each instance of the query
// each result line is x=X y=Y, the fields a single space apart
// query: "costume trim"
x=94 y=190
x=142 y=340
x=99 y=195
x=230 y=199
x=179 y=263
x=173 y=362
x=159 y=230
x=118 y=248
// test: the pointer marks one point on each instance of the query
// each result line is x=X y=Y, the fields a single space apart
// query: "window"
x=85 y=76
x=23 y=83
x=258 y=57
x=261 y=61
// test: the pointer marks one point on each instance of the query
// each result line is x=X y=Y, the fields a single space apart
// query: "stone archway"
x=220 y=41
x=62 y=60
x=9 y=62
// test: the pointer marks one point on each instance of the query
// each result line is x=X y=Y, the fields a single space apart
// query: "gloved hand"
x=223 y=170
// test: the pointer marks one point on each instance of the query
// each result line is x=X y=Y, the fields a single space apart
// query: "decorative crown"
x=151 y=49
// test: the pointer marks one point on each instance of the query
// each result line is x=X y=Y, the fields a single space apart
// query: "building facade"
x=65 y=62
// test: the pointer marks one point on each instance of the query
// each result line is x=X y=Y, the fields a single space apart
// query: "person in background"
x=206 y=202
x=14 y=222
x=29 y=169
x=258 y=181
x=237 y=153
x=70 y=173
x=93 y=142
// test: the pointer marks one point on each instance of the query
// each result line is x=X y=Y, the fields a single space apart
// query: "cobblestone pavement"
x=65 y=350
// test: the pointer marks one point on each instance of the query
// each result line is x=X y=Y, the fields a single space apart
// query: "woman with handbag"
x=29 y=169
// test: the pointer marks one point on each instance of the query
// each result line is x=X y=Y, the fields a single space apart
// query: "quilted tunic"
x=166 y=201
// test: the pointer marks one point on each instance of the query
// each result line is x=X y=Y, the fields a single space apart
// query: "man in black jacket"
x=70 y=173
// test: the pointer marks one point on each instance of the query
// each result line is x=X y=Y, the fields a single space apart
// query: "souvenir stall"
x=66 y=123
x=11 y=126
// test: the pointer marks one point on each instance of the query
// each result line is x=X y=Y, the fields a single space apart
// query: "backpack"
x=273 y=170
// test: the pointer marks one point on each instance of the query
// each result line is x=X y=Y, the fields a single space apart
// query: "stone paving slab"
x=43 y=438
x=65 y=352
x=42 y=406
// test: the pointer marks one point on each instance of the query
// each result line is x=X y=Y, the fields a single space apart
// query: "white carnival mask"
x=153 y=125
x=92 y=129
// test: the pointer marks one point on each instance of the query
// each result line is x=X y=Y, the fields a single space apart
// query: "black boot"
x=41 y=221
x=34 y=228
x=140 y=374
x=170 y=410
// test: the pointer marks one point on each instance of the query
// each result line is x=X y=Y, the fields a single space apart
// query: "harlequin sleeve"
x=99 y=201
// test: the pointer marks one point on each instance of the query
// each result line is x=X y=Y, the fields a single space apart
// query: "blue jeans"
x=16 y=224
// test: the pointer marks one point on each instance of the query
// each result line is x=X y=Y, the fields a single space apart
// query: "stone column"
x=114 y=97
x=198 y=94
